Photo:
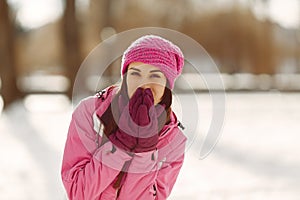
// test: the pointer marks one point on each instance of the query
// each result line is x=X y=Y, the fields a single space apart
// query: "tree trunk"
x=100 y=18
x=72 y=54
x=8 y=73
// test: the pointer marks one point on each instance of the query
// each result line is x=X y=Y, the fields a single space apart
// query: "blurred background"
x=254 y=43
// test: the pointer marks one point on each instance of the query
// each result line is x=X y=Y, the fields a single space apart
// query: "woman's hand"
x=138 y=124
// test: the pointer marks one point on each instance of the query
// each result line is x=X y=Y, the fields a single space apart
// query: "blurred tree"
x=235 y=38
x=72 y=58
x=298 y=42
x=100 y=15
x=9 y=89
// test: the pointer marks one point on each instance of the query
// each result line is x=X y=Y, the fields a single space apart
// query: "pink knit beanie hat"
x=156 y=51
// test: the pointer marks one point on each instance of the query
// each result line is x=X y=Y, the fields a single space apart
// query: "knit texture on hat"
x=156 y=51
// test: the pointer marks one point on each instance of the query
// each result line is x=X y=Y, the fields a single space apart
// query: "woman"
x=124 y=142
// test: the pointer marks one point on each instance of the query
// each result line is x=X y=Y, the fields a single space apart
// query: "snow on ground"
x=256 y=158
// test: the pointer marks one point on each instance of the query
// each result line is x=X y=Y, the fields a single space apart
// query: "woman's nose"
x=145 y=86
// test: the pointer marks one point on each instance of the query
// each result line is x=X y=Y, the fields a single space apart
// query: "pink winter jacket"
x=88 y=171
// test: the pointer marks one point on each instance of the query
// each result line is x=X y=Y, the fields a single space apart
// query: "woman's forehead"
x=143 y=67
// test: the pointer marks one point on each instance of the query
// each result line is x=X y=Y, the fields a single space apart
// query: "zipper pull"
x=180 y=125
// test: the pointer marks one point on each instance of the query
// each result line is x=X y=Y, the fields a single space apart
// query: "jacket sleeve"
x=87 y=171
x=166 y=178
x=170 y=168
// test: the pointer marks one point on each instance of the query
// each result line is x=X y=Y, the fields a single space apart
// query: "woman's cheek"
x=131 y=91
x=158 y=94
x=131 y=87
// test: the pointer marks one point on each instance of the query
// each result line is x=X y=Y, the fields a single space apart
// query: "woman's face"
x=145 y=76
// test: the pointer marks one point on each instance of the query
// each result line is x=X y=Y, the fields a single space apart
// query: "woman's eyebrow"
x=156 y=70
x=134 y=69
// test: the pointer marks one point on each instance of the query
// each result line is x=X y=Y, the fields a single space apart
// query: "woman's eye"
x=154 y=76
x=135 y=74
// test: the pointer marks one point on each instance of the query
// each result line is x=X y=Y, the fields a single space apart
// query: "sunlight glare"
x=46 y=103
x=286 y=13
x=36 y=13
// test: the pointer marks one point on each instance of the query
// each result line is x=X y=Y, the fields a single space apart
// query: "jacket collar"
x=104 y=98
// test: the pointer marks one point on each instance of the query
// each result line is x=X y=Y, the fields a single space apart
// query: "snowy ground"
x=256 y=158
